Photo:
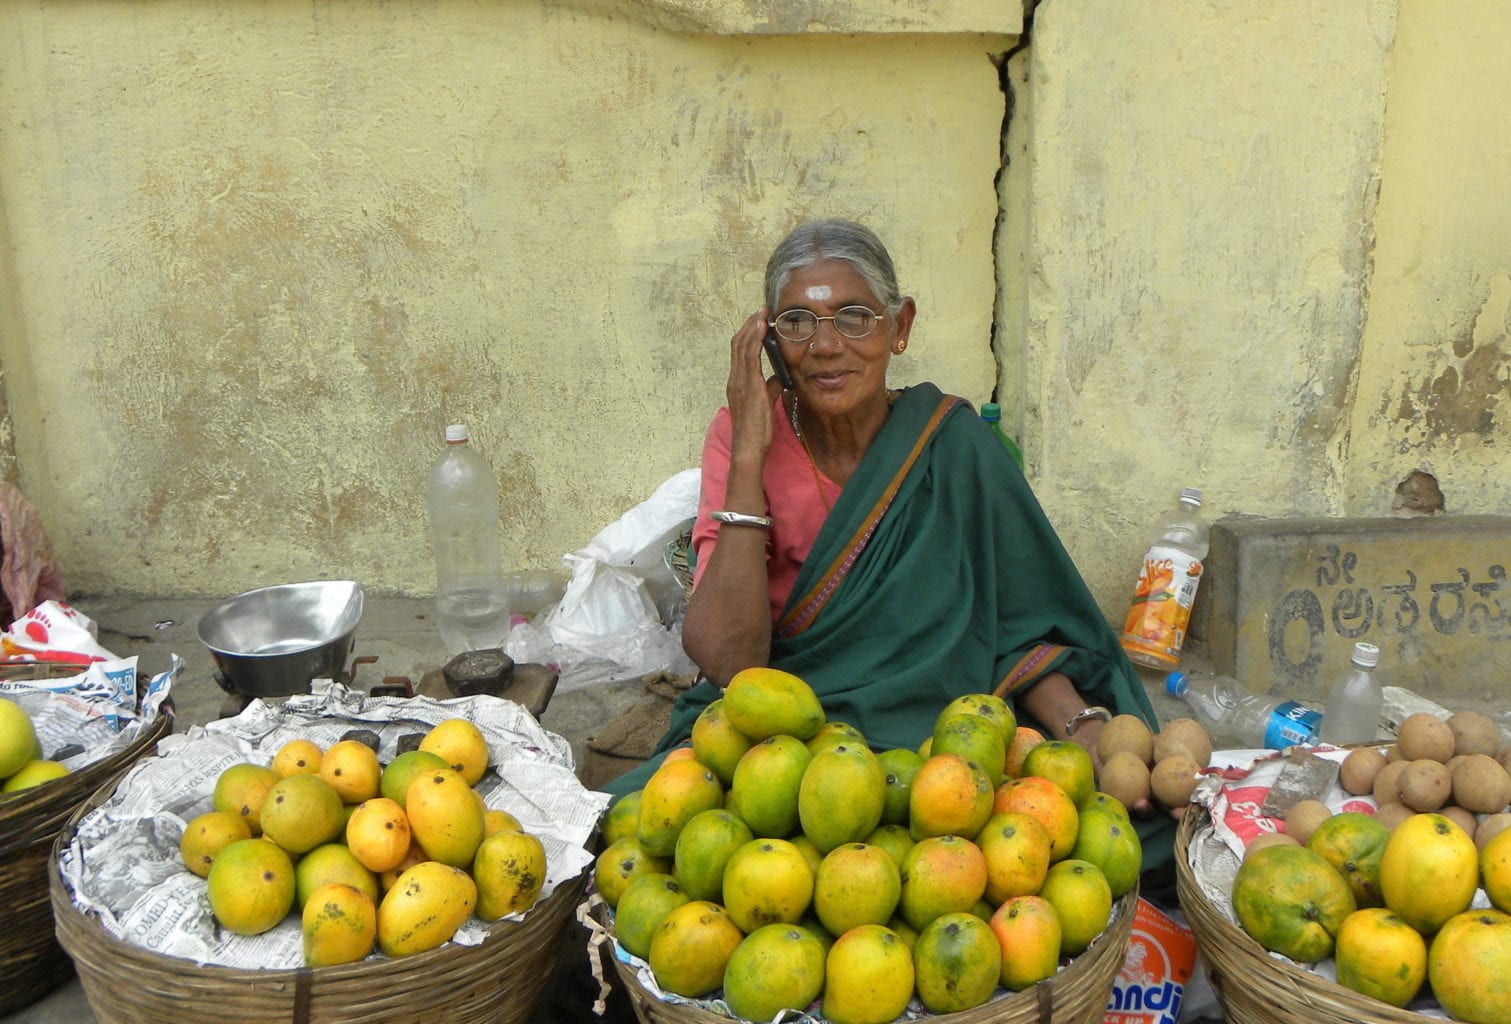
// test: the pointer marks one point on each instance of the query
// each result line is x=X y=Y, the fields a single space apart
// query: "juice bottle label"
x=1292 y=723
x=1155 y=629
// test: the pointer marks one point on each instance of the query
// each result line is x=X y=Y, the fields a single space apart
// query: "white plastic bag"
x=607 y=624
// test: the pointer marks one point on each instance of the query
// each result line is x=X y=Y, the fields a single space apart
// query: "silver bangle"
x=741 y=519
x=1087 y=713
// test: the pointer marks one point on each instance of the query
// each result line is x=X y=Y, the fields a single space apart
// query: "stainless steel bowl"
x=272 y=641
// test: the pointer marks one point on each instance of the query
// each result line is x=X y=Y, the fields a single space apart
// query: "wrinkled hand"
x=749 y=395
x=1086 y=735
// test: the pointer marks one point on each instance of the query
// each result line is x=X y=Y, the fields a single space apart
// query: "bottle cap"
x=1191 y=496
x=991 y=411
x=1175 y=684
x=1366 y=655
x=456 y=433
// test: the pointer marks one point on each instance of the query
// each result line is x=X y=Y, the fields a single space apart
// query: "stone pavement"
x=401 y=634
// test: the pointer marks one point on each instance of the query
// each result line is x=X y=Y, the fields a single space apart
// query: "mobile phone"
x=778 y=364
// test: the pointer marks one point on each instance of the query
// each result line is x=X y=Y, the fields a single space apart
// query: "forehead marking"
x=818 y=292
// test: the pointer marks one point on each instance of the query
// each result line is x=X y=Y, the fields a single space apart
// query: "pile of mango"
x=1392 y=894
x=22 y=765
x=397 y=855
x=780 y=859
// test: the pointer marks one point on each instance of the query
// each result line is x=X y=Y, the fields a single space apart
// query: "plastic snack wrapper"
x=53 y=631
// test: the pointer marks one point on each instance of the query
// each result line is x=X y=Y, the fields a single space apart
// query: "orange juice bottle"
x=1155 y=629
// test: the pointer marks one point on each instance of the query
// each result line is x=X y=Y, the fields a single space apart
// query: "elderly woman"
x=881 y=544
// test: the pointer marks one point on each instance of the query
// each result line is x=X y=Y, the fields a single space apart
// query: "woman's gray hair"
x=833 y=239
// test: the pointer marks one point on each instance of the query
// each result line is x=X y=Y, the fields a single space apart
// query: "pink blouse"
x=792 y=501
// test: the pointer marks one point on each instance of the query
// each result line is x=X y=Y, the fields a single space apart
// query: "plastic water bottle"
x=991 y=413
x=1234 y=716
x=461 y=498
x=1155 y=630
x=1355 y=700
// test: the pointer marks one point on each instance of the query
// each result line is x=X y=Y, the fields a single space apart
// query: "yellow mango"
x=509 y=869
x=378 y=834
x=424 y=909
x=762 y=702
x=444 y=816
x=339 y=924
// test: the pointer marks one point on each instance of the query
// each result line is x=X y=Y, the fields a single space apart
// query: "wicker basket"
x=1079 y=994
x=1252 y=986
x=495 y=982
x=32 y=963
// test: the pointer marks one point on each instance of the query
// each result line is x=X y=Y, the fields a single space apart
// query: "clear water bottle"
x=991 y=413
x=1155 y=630
x=1355 y=700
x=1235 y=717
x=461 y=499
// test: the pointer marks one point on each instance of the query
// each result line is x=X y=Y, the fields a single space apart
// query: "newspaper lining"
x=95 y=709
x=123 y=864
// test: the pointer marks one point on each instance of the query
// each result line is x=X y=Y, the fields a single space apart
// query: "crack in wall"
x=1003 y=352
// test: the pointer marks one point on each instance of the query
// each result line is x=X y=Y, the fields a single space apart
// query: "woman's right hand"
x=749 y=394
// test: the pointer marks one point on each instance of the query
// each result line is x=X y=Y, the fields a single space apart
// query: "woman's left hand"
x=1086 y=735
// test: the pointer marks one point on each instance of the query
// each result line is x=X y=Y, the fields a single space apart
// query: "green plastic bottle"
x=991 y=412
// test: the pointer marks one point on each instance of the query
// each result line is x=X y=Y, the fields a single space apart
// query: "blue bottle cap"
x=1175 y=684
x=991 y=412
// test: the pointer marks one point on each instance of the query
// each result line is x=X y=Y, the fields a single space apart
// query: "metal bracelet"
x=741 y=519
x=1084 y=714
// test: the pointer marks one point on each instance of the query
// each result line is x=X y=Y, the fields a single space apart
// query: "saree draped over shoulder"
x=936 y=574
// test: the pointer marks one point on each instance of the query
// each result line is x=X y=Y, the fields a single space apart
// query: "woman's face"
x=833 y=374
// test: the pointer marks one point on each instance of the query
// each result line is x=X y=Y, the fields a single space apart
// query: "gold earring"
x=901 y=347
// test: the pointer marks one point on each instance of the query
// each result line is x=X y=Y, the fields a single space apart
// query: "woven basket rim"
x=382 y=989
x=1091 y=975
x=1250 y=983
x=29 y=823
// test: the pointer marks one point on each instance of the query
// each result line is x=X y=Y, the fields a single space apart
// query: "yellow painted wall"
x=1434 y=388
x=1263 y=254
x=257 y=255
x=254 y=256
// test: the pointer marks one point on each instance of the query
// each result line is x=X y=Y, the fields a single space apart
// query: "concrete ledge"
x=1284 y=600
x=796 y=17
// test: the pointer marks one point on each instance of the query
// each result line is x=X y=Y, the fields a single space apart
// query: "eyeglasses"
x=854 y=322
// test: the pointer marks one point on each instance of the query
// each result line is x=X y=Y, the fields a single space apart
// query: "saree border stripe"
x=806 y=610
x=1028 y=668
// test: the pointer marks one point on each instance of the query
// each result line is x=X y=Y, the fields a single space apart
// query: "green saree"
x=936 y=574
